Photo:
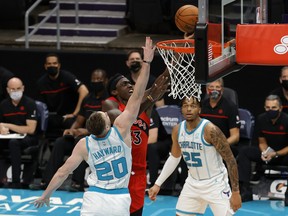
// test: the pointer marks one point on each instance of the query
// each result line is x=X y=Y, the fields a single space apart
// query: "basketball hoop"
x=178 y=56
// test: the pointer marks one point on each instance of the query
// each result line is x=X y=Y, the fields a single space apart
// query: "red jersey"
x=139 y=135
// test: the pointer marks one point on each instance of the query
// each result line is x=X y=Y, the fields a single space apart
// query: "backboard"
x=217 y=21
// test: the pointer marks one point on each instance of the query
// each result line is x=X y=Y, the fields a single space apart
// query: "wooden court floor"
x=17 y=202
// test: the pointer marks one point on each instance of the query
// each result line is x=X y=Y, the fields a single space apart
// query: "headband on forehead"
x=113 y=82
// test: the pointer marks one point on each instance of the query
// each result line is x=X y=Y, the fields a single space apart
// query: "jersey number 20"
x=108 y=170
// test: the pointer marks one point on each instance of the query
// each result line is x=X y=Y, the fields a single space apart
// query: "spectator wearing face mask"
x=222 y=112
x=134 y=63
x=62 y=92
x=282 y=91
x=272 y=144
x=18 y=115
x=64 y=145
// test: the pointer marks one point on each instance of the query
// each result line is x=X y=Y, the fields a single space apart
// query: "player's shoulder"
x=111 y=102
x=176 y=128
x=208 y=125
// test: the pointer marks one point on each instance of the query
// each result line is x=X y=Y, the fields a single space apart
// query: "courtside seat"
x=34 y=154
x=247 y=121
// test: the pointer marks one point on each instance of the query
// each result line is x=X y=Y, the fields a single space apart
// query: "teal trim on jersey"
x=188 y=213
x=87 y=146
x=117 y=131
x=190 y=132
x=108 y=191
x=102 y=138
x=180 y=125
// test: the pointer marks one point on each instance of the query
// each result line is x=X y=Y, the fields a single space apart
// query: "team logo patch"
x=226 y=193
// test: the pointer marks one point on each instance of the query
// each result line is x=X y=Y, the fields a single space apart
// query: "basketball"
x=186 y=18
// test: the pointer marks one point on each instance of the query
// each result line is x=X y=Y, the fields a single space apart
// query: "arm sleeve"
x=169 y=166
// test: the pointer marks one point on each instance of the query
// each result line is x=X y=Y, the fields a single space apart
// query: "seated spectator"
x=64 y=145
x=63 y=94
x=17 y=115
x=5 y=75
x=271 y=131
x=282 y=91
x=222 y=112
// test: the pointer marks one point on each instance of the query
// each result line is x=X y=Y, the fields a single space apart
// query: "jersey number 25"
x=192 y=159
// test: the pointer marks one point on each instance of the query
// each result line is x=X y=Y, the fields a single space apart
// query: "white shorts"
x=103 y=204
x=197 y=195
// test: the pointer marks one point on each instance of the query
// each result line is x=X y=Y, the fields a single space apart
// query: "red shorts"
x=137 y=186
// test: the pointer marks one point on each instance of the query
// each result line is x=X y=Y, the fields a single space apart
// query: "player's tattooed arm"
x=218 y=139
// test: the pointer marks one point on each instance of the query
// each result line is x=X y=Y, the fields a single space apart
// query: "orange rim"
x=180 y=49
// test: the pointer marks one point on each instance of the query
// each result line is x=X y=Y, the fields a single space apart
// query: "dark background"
x=252 y=83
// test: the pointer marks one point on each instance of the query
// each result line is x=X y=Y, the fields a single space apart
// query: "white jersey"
x=202 y=159
x=110 y=161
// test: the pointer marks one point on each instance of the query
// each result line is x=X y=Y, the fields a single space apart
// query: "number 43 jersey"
x=110 y=161
x=202 y=159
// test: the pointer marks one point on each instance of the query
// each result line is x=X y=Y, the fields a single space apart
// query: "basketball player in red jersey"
x=121 y=89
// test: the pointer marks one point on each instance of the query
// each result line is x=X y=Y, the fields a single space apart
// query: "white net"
x=181 y=68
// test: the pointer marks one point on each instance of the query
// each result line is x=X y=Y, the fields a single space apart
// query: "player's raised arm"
x=132 y=108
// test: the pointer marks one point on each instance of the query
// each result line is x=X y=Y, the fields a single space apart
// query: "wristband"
x=148 y=62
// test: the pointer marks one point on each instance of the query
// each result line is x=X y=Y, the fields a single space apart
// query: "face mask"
x=96 y=86
x=214 y=94
x=17 y=95
x=285 y=84
x=135 y=66
x=272 y=114
x=52 y=71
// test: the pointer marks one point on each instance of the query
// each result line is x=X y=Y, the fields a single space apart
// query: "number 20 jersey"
x=201 y=157
x=110 y=161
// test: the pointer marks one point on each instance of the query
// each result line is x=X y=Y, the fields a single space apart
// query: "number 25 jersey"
x=201 y=157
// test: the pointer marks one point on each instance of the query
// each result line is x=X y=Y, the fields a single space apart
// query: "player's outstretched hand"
x=38 y=203
x=148 y=50
x=160 y=86
x=153 y=191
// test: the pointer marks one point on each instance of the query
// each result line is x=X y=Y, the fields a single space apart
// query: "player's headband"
x=113 y=82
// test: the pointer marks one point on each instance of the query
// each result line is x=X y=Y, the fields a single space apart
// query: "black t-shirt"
x=279 y=92
x=276 y=135
x=60 y=95
x=224 y=114
x=25 y=110
x=91 y=104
